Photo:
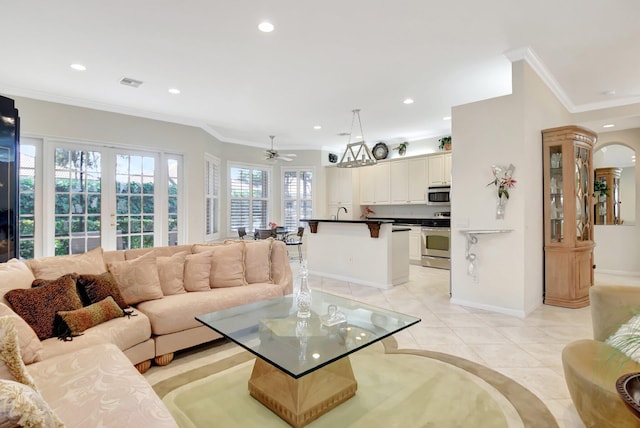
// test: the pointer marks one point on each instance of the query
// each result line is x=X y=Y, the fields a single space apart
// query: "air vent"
x=127 y=81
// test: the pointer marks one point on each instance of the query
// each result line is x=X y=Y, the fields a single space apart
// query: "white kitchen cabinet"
x=340 y=186
x=418 y=176
x=415 y=245
x=408 y=181
x=342 y=191
x=374 y=184
x=381 y=180
x=367 y=186
x=440 y=170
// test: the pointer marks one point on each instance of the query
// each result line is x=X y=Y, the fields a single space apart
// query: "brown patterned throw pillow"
x=38 y=306
x=95 y=288
x=81 y=319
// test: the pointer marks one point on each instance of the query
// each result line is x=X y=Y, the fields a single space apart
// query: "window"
x=77 y=197
x=172 y=201
x=297 y=196
x=135 y=201
x=27 y=221
x=248 y=197
x=212 y=193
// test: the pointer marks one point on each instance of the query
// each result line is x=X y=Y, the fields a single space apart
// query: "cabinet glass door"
x=556 y=204
x=582 y=168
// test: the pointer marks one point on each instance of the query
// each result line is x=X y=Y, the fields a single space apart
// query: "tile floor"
x=527 y=350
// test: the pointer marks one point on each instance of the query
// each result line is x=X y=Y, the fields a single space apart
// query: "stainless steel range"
x=436 y=241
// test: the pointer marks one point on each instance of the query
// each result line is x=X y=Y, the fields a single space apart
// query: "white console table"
x=472 y=239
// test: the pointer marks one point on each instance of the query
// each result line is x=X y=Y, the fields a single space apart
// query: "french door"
x=109 y=197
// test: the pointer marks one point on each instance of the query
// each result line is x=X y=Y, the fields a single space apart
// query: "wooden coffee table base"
x=300 y=401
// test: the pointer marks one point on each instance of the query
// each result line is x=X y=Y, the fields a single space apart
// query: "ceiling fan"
x=273 y=155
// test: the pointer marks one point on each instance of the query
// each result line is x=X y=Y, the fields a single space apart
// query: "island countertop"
x=370 y=220
x=373 y=225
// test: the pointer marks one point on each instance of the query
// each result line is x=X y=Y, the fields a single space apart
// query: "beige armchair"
x=591 y=367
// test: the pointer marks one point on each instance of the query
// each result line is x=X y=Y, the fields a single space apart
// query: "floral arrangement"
x=273 y=224
x=502 y=179
x=366 y=211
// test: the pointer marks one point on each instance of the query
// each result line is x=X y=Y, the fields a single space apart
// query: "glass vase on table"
x=303 y=292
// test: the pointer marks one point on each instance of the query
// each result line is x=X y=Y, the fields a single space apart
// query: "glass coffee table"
x=303 y=368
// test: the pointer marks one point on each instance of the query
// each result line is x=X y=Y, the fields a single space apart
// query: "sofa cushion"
x=81 y=319
x=137 y=279
x=21 y=405
x=257 y=261
x=165 y=251
x=95 y=288
x=38 y=306
x=171 y=273
x=97 y=386
x=56 y=266
x=30 y=345
x=184 y=307
x=14 y=274
x=227 y=264
x=197 y=272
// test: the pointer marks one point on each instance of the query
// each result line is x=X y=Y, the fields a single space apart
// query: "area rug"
x=396 y=388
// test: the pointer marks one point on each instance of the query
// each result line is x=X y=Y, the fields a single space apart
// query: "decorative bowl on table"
x=628 y=387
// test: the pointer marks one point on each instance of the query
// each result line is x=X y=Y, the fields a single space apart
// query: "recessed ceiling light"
x=608 y=125
x=446 y=118
x=174 y=91
x=78 y=67
x=317 y=127
x=408 y=101
x=266 y=27
x=609 y=93
x=359 y=136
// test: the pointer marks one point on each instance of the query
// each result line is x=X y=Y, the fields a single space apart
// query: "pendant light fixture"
x=357 y=154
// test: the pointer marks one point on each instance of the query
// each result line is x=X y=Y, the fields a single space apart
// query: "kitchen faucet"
x=338 y=212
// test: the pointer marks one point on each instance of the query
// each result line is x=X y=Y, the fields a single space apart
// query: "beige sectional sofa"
x=89 y=380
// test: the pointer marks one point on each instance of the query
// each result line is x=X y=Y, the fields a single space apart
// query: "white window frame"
x=212 y=194
x=252 y=167
x=298 y=170
x=45 y=152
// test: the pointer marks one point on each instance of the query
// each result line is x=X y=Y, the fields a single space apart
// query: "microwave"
x=439 y=195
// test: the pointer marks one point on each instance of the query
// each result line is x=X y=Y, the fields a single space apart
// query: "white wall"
x=502 y=131
x=618 y=246
x=48 y=120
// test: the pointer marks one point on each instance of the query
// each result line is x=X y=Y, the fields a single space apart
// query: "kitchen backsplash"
x=405 y=211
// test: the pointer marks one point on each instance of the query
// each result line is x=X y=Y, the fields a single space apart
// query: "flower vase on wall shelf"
x=502 y=179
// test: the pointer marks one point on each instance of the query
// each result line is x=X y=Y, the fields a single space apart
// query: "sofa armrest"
x=612 y=306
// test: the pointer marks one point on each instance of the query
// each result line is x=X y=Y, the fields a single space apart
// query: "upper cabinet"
x=440 y=170
x=341 y=184
x=568 y=219
x=408 y=181
x=374 y=184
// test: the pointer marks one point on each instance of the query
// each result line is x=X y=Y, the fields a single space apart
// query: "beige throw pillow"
x=53 y=267
x=197 y=270
x=171 y=273
x=14 y=274
x=227 y=266
x=137 y=279
x=31 y=348
x=257 y=261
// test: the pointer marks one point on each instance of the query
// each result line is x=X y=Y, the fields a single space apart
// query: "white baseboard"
x=351 y=280
x=617 y=272
x=490 y=308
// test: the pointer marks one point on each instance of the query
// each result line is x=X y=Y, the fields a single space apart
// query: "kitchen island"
x=367 y=252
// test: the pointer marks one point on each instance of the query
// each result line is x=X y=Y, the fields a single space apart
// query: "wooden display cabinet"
x=568 y=219
x=607 y=207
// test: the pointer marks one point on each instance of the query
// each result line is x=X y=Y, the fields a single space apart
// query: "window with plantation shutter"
x=249 y=189
x=212 y=197
x=297 y=196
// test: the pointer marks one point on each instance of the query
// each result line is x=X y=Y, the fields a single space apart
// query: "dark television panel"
x=9 y=152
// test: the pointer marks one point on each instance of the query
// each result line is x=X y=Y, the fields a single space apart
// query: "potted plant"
x=445 y=143
x=402 y=148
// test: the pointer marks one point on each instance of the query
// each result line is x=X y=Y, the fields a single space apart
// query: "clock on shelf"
x=380 y=151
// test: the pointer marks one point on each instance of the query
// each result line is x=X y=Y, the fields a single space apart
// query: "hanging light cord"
x=356 y=112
